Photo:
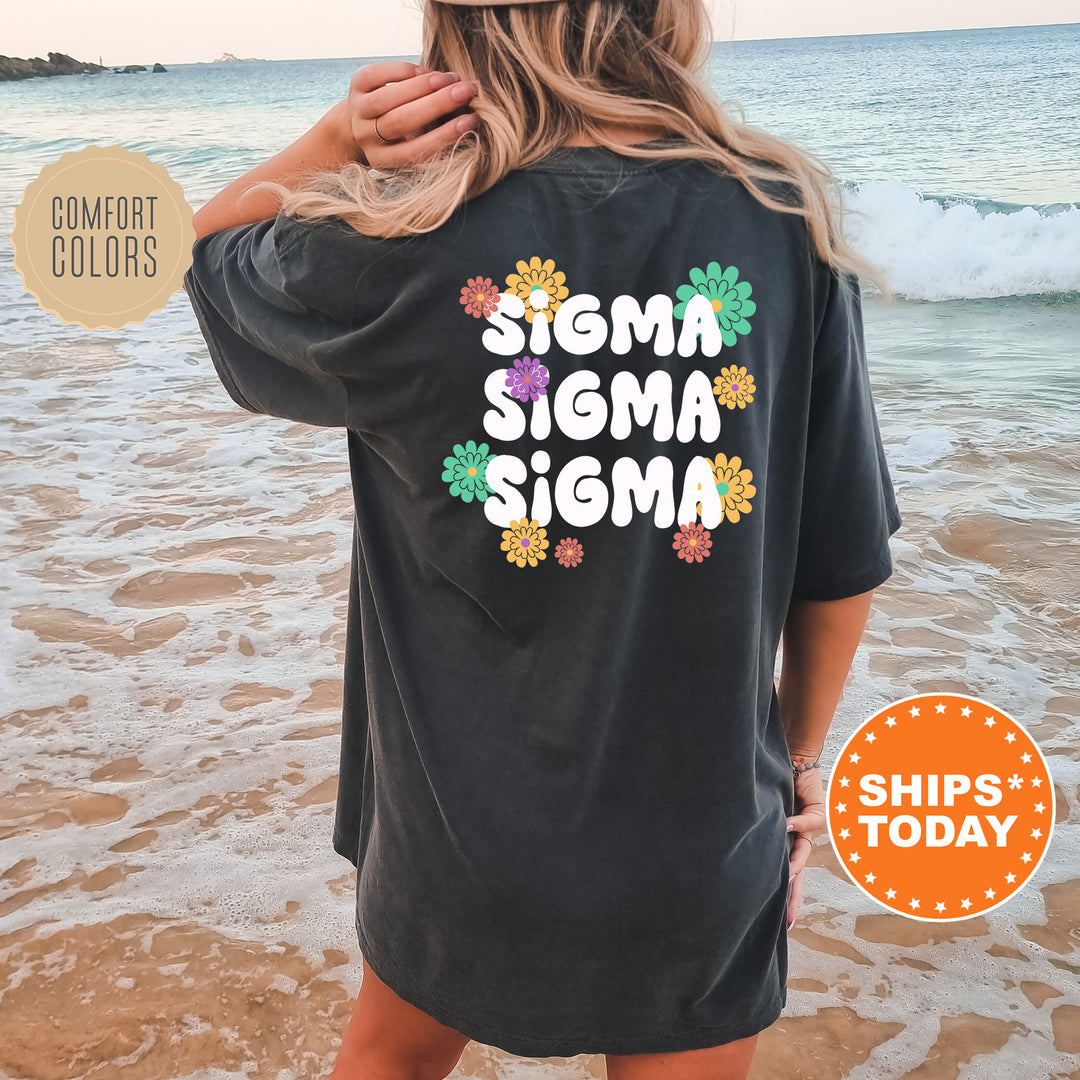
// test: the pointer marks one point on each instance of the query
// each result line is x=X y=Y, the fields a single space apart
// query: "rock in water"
x=14 y=67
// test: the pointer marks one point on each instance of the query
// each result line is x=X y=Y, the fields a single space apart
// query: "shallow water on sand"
x=175 y=585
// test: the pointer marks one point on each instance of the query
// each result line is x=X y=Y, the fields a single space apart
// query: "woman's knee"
x=390 y=1039
x=374 y=1064
x=373 y=1057
x=730 y=1061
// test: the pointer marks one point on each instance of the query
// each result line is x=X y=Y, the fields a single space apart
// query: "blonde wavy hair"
x=549 y=72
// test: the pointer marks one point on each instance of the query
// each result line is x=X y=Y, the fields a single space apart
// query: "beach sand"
x=170 y=903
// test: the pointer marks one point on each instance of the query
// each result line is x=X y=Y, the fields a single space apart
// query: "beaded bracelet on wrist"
x=796 y=769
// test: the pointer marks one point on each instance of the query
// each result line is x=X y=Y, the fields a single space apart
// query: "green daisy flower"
x=466 y=471
x=730 y=299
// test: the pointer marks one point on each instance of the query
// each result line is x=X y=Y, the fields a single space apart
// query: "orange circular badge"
x=940 y=807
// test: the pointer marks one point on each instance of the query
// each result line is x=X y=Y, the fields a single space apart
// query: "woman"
x=597 y=349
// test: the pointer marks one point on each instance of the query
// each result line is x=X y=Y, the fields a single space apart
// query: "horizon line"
x=715 y=41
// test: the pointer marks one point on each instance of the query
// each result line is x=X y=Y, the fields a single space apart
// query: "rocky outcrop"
x=14 y=67
x=228 y=58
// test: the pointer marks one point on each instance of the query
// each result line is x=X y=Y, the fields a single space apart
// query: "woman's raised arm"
x=402 y=96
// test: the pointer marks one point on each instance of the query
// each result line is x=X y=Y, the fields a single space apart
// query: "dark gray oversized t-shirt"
x=603 y=425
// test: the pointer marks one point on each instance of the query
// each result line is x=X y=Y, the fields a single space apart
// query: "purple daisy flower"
x=527 y=379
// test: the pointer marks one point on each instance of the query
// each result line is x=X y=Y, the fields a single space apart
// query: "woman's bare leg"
x=389 y=1039
x=728 y=1062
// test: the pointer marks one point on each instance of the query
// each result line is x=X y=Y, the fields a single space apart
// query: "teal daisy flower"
x=466 y=471
x=730 y=299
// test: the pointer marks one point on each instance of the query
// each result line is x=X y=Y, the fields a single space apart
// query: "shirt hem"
x=841 y=589
x=339 y=845
x=563 y=1044
x=213 y=344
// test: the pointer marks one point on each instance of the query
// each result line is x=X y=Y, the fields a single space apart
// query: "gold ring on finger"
x=379 y=133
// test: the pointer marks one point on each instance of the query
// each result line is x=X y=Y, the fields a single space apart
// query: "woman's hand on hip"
x=405 y=100
x=808 y=820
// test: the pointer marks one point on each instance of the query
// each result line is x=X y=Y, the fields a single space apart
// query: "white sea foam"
x=944 y=248
x=977 y=409
x=91 y=420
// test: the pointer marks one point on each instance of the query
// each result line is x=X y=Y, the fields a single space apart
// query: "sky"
x=149 y=31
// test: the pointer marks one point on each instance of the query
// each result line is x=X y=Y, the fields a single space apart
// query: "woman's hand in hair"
x=419 y=112
x=416 y=109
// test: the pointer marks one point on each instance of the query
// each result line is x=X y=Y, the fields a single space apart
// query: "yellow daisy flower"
x=524 y=542
x=540 y=286
x=733 y=386
x=733 y=486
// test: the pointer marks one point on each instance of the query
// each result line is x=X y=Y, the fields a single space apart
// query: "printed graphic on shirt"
x=527 y=394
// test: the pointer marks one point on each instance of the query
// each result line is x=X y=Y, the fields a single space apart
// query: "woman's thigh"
x=389 y=1039
x=728 y=1062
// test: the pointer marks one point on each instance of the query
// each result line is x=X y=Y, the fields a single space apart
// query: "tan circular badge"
x=103 y=237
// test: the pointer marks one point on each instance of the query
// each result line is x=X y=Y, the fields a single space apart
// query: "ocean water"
x=175 y=571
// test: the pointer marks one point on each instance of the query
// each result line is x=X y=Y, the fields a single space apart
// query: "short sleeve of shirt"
x=245 y=284
x=849 y=508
